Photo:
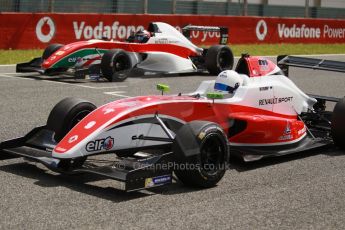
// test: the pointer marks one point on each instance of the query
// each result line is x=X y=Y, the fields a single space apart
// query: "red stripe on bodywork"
x=129 y=47
x=88 y=62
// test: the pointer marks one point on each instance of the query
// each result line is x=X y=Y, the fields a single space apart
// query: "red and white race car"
x=160 y=49
x=254 y=115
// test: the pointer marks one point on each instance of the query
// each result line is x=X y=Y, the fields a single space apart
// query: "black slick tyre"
x=52 y=48
x=338 y=124
x=201 y=151
x=66 y=114
x=219 y=58
x=115 y=65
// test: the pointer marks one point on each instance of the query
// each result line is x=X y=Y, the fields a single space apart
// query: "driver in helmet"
x=141 y=36
x=227 y=82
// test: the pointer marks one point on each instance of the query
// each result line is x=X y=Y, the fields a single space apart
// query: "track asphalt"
x=304 y=191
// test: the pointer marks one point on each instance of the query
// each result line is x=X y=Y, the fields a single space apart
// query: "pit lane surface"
x=304 y=191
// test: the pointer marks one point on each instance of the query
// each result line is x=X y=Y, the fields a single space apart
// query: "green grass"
x=276 y=49
x=17 y=56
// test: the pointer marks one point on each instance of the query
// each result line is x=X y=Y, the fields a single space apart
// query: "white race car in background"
x=163 y=51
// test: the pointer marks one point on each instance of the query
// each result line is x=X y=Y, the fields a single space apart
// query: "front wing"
x=32 y=66
x=130 y=174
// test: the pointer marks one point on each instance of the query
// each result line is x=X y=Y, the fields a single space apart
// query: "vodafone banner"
x=31 y=30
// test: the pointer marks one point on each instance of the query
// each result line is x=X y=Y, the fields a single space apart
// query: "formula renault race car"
x=255 y=115
x=159 y=50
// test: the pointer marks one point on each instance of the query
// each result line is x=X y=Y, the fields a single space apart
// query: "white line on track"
x=65 y=83
x=113 y=93
x=305 y=55
x=1 y=75
x=7 y=76
x=11 y=65
x=117 y=93
x=108 y=87
x=300 y=55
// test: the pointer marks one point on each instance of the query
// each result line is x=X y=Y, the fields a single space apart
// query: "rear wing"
x=222 y=30
x=284 y=61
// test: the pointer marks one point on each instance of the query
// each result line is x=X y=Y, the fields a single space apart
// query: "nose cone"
x=74 y=143
x=49 y=62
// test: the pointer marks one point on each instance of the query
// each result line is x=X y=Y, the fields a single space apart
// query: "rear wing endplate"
x=224 y=36
x=285 y=61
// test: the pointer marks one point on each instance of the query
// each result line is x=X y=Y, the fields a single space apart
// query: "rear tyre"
x=115 y=65
x=66 y=114
x=201 y=150
x=50 y=50
x=219 y=58
x=338 y=124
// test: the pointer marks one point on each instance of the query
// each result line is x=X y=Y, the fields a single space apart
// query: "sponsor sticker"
x=156 y=181
x=90 y=125
x=285 y=137
x=223 y=74
x=100 y=144
x=164 y=41
x=287 y=133
x=60 y=149
x=73 y=139
x=263 y=64
x=302 y=131
x=59 y=53
x=287 y=128
x=201 y=135
x=108 y=110
x=265 y=88
x=74 y=59
x=275 y=100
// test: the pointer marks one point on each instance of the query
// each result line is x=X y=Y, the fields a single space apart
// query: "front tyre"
x=219 y=58
x=63 y=117
x=201 y=150
x=66 y=114
x=115 y=65
x=52 y=48
x=338 y=124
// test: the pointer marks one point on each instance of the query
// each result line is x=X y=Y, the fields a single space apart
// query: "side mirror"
x=163 y=88
x=215 y=96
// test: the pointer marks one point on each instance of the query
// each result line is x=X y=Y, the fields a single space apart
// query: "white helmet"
x=228 y=81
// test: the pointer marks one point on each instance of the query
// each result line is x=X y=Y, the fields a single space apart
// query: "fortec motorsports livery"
x=159 y=50
x=253 y=112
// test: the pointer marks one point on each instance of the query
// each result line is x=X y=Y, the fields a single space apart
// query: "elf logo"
x=45 y=29
x=74 y=59
x=100 y=144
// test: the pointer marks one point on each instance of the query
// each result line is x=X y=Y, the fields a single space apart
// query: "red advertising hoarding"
x=36 y=30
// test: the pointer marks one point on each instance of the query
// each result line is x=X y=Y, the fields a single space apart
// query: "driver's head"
x=142 y=36
x=228 y=81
